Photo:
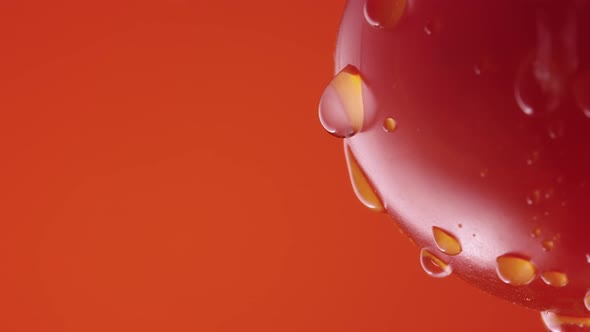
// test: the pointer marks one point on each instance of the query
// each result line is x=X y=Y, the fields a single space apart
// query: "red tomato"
x=469 y=123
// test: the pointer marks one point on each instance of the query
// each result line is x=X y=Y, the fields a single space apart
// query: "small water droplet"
x=484 y=173
x=587 y=300
x=341 y=106
x=556 y=130
x=554 y=278
x=534 y=197
x=588 y=258
x=434 y=266
x=483 y=66
x=431 y=27
x=536 y=232
x=533 y=158
x=535 y=93
x=360 y=184
x=384 y=13
x=559 y=323
x=389 y=125
x=582 y=93
x=548 y=245
x=446 y=242
x=515 y=270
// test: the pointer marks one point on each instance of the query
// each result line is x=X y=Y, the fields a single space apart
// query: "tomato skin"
x=465 y=157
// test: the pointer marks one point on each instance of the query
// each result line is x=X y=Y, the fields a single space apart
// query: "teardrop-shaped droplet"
x=515 y=270
x=555 y=278
x=360 y=184
x=434 y=266
x=446 y=242
x=384 y=13
x=341 y=106
x=389 y=125
x=560 y=323
x=587 y=300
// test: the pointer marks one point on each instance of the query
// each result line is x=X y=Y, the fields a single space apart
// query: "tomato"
x=469 y=123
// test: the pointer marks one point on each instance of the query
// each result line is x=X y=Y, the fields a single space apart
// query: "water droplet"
x=484 y=173
x=554 y=278
x=384 y=13
x=582 y=93
x=431 y=27
x=341 y=106
x=434 y=266
x=515 y=270
x=559 y=323
x=446 y=242
x=483 y=66
x=460 y=225
x=535 y=93
x=533 y=158
x=534 y=197
x=588 y=258
x=536 y=232
x=362 y=188
x=587 y=300
x=389 y=125
x=548 y=245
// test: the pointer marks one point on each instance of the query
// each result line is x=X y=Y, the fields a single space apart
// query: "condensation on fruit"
x=433 y=265
x=446 y=242
x=515 y=269
x=555 y=278
x=360 y=184
x=384 y=13
x=559 y=323
x=341 y=105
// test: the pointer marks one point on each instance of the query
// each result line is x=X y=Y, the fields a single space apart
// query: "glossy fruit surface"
x=476 y=137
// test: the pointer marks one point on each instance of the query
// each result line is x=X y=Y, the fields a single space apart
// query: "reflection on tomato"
x=468 y=122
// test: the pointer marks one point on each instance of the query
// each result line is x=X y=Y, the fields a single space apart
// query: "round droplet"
x=430 y=27
x=360 y=184
x=536 y=91
x=515 y=270
x=555 y=278
x=559 y=323
x=536 y=232
x=341 y=106
x=389 y=125
x=548 y=245
x=534 y=197
x=434 y=266
x=587 y=300
x=384 y=13
x=446 y=242
x=484 y=173
x=582 y=93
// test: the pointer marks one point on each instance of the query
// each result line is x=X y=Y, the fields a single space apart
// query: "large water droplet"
x=536 y=95
x=559 y=323
x=446 y=242
x=555 y=278
x=384 y=13
x=360 y=184
x=587 y=300
x=434 y=266
x=341 y=106
x=515 y=270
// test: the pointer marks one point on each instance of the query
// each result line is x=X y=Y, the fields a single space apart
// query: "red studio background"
x=164 y=169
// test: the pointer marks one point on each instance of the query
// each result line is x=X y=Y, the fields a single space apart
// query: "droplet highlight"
x=535 y=93
x=389 y=125
x=433 y=265
x=360 y=184
x=446 y=242
x=384 y=13
x=554 y=278
x=587 y=300
x=341 y=105
x=559 y=323
x=548 y=245
x=536 y=232
x=515 y=270
x=581 y=92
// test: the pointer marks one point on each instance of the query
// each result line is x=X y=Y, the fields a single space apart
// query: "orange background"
x=164 y=170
